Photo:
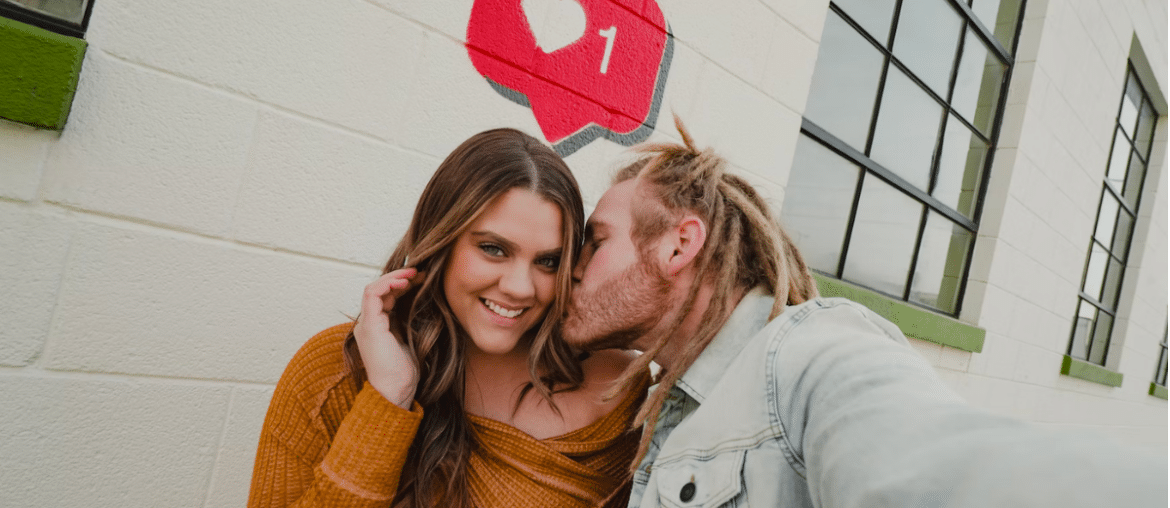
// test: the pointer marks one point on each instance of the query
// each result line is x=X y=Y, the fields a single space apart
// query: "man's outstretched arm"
x=875 y=426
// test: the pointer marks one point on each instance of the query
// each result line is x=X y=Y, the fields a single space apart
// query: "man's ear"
x=685 y=240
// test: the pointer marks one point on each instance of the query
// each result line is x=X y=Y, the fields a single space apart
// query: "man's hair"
x=745 y=248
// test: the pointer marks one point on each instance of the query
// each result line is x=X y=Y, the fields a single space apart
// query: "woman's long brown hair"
x=478 y=171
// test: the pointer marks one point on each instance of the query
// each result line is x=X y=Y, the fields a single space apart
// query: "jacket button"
x=687 y=493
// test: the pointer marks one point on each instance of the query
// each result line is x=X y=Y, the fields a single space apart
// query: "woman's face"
x=502 y=272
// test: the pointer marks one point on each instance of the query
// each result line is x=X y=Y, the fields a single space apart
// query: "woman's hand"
x=390 y=367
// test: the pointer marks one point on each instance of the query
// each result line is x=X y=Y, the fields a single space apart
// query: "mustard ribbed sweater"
x=324 y=443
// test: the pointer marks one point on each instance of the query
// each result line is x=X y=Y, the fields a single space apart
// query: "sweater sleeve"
x=361 y=464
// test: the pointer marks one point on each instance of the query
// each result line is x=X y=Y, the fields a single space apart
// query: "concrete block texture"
x=137 y=302
x=145 y=145
x=102 y=442
x=349 y=63
x=319 y=190
x=33 y=247
x=23 y=160
x=232 y=476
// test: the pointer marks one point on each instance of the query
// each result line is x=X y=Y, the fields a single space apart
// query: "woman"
x=480 y=403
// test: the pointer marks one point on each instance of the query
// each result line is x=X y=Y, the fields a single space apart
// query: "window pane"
x=1133 y=180
x=960 y=168
x=1106 y=220
x=883 y=237
x=907 y=129
x=817 y=202
x=999 y=16
x=1118 y=161
x=72 y=11
x=977 y=86
x=1112 y=285
x=1130 y=104
x=844 y=84
x=1095 y=272
x=928 y=35
x=1082 y=328
x=941 y=260
x=1100 y=341
x=1145 y=128
x=1122 y=234
x=875 y=16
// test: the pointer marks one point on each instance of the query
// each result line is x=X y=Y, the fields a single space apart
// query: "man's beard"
x=619 y=311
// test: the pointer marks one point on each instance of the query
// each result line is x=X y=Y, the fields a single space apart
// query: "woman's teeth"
x=502 y=311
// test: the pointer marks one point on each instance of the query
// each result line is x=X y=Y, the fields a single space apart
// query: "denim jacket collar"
x=749 y=317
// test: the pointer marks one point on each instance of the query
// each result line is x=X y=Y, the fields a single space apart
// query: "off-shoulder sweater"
x=326 y=443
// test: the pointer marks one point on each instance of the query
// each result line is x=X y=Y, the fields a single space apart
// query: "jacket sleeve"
x=298 y=465
x=874 y=426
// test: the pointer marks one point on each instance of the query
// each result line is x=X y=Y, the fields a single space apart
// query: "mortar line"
x=81 y=375
x=173 y=231
x=245 y=97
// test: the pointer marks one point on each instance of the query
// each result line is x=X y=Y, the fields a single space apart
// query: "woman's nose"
x=516 y=282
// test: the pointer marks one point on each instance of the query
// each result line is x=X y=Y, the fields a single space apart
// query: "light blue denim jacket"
x=829 y=406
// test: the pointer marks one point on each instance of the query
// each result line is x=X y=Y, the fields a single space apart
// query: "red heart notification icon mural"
x=603 y=81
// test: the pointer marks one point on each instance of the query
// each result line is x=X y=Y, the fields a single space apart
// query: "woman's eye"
x=550 y=262
x=491 y=249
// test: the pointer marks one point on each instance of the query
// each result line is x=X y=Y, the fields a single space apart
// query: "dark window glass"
x=927 y=38
x=846 y=82
x=874 y=16
x=907 y=130
x=905 y=97
x=960 y=167
x=67 y=17
x=1116 y=216
x=819 y=202
x=883 y=237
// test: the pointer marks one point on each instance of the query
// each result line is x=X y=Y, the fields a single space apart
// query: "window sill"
x=1081 y=369
x=39 y=70
x=913 y=321
x=1158 y=391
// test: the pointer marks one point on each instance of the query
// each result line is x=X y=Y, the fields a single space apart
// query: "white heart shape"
x=554 y=23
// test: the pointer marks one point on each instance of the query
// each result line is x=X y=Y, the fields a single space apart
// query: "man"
x=769 y=396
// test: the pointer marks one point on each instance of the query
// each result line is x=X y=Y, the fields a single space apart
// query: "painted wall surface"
x=233 y=173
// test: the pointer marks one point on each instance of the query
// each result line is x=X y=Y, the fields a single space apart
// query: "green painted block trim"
x=39 y=70
x=1158 y=390
x=1081 y=369
x=913 y=321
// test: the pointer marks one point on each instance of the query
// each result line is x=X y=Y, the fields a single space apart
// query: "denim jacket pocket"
x=700 y=481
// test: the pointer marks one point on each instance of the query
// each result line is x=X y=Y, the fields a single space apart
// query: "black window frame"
x=923 y=196
x=39 y=19
x=1083 y=298
x=1160 y=373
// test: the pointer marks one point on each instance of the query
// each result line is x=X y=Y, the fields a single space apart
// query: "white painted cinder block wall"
x=1039 y=214
x=232 y=173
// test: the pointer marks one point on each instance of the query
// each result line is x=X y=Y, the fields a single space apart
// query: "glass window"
x=907 y=130
x=883 y=237
x=819 y=201
x=874 y=16
x=927 y=37
x=942 y=261
x=904 y=98
x=846 y=81
x=978 y=84
x=959 y=168
x=1160 y=373
x=66 y=17
x=1116 y=215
